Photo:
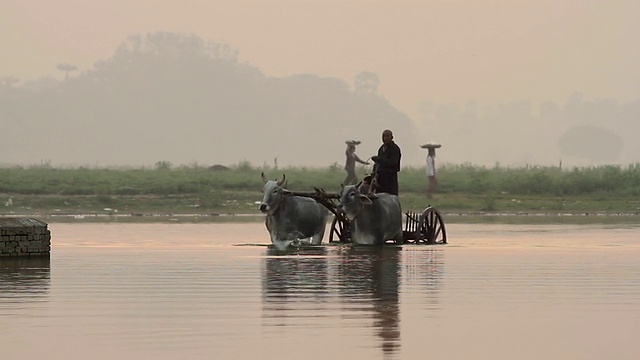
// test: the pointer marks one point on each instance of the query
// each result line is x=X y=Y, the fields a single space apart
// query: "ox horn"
x=283 y=181
x=264 y=178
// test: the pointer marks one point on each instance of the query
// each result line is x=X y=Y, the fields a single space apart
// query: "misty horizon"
x=565 y=93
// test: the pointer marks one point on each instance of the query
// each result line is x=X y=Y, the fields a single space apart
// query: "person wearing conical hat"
x=350 y=163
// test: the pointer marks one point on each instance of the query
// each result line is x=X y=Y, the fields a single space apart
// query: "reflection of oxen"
x=375 y=218
x=24 y=279
x=371 y=278
x=348 y=290
x=291 y=220
x=294 y=281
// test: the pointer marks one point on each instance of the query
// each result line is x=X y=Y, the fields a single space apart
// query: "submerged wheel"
x=340 y=230
x=431 y=228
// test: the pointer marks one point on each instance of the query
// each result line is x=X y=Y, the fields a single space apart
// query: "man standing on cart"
x=387 y=164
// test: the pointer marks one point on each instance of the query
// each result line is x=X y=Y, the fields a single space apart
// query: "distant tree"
x=366 y=82
x=164 y=57
x=67 y=68
x=591 y=143
x=159 y=89
x=174 y=45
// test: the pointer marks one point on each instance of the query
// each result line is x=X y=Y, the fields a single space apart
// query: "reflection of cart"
x=426 y=227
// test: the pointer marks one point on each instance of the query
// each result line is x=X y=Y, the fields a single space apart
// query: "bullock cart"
x=425 y=227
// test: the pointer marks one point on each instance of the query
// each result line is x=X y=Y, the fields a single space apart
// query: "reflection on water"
x=360 y=283
x=24 y=279
x=290 y=275
x=424 y=270
x=369 y=281
x=188 y=291
x=294 y=283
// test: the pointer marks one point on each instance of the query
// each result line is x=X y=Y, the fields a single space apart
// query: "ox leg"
x=398 y=238
x=319 y=235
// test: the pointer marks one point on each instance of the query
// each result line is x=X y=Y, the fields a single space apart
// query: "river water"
x=218 y=291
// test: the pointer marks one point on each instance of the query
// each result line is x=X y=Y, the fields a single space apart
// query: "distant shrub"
x=163 y=165
x=243 y=166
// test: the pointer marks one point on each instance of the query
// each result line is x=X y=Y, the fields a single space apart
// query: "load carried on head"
x=430 y=145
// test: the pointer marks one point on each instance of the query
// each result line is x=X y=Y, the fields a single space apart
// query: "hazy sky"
x=436 y=50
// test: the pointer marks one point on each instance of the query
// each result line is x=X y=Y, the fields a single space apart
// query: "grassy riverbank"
x=194 y=189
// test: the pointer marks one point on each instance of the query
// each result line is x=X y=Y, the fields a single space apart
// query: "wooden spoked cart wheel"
x=340 y=230
x=431 y=228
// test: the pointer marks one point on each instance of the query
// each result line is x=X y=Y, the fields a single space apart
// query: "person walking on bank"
x=431 y=168
x=431 y=173
x=350 y=163
x=387 y=164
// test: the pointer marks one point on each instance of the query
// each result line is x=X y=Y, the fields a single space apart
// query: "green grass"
x=192 y=189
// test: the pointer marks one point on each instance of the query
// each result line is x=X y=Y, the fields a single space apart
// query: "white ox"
x=374 y=218
x=291 y=220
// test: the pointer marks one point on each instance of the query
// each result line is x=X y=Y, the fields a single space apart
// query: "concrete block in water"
x=24 y=237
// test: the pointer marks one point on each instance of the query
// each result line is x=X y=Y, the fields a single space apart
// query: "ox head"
x=273 y=192
x=352 y=201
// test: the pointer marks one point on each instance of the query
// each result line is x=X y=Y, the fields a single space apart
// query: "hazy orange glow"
x=443 y=51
